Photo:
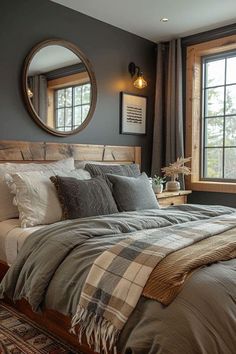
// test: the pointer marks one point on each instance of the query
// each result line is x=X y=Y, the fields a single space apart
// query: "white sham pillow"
x=36 y=196
x=7 y=209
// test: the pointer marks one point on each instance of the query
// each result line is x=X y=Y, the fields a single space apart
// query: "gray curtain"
x=38 y=85
x=168 y=134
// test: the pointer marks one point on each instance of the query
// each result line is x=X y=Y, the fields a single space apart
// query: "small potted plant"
x=173 y=171
x=157 y=183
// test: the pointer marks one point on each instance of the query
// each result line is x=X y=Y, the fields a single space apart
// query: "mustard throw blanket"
x=169 y=276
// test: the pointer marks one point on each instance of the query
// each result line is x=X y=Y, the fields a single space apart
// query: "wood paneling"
x=42 y=151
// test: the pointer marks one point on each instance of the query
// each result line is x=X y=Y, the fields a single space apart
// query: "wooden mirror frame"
x=30 y=107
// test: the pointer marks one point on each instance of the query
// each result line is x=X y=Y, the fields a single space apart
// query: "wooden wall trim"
x=209 y=35
x=43 y=151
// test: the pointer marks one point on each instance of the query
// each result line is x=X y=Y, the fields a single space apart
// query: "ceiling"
x=142 y=18
x=51 y=58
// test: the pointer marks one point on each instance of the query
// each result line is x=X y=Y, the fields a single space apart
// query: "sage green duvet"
x=53 y=264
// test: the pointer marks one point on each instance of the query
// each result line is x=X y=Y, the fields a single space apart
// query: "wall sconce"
x=139 y=82
x=29 y=93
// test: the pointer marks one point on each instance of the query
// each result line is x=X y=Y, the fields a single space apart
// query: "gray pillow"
x=82 y=198
x=131 y=170
x=132 y=193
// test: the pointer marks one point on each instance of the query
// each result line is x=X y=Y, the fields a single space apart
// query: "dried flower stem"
x=176 y=168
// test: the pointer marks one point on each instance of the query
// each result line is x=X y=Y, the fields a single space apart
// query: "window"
x=211 y=115
x=219 y=117
x=72 y=105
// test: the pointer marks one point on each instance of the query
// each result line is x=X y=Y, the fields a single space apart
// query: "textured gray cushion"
x=82 y=198
x=132 y=193
x=131 y=170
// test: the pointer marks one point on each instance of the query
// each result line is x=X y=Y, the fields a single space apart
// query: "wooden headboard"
x=26 y=151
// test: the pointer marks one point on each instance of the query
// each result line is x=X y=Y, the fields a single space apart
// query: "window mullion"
x=203 y=123
x=223 y=157
x=72 y=108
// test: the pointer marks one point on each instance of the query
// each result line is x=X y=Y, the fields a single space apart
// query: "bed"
x=198 y=316
x=12 y=237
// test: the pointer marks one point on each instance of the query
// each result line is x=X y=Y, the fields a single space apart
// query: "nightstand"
x=166 y=199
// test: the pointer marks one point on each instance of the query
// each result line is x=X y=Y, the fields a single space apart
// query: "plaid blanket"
x=118 y=276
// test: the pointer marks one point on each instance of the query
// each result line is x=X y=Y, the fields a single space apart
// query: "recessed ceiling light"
x=164 y=19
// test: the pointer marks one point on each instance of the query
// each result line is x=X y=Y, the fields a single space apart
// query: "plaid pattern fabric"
x=118 y=276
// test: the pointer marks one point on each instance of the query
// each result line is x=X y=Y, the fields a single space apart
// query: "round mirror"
x=59 y=87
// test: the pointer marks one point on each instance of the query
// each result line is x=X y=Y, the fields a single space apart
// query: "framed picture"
x=133 y=112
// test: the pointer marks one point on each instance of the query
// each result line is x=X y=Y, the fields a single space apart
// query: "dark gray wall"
x=227 y=199
x=24 y=23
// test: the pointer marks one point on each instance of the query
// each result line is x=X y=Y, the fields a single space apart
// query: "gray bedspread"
x=54 y=262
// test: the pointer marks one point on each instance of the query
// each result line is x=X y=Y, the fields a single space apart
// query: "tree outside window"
x=219 y=117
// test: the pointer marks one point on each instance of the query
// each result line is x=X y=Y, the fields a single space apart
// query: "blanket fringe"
x=100 y=333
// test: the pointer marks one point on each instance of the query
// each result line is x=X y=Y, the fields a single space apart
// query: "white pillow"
x=36 y=196
x=7 y=209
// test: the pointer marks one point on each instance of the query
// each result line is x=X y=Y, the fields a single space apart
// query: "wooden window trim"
x=69 y=80
x=193 y=111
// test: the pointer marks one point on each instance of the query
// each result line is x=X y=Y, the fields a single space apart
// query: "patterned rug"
x=18 y=335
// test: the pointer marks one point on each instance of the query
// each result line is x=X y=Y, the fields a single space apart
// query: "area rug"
x=19 y=335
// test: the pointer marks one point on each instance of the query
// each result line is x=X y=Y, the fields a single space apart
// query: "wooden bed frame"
x=25 y=152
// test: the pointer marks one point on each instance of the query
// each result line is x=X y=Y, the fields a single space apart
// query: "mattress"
x=12 y=237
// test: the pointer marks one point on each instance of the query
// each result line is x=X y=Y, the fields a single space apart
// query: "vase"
x=157 y=188
x=172 y=185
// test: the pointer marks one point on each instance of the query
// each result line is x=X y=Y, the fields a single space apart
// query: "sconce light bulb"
x=140 y=82
x=30 y=93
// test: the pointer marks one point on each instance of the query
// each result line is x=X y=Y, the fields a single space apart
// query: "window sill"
x=219 y=187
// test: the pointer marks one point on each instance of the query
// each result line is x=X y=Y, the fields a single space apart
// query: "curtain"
x=168 y=133
x=38 y=85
